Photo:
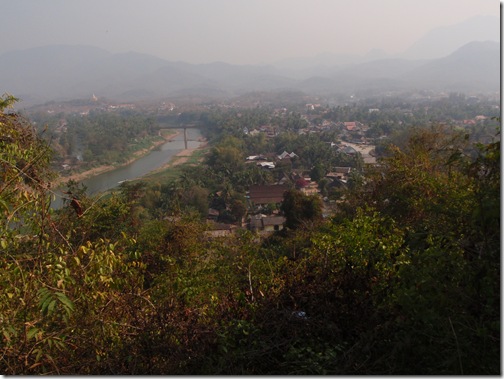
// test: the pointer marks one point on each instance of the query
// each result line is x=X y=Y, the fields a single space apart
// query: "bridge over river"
x=191 y=138
x=182 y=127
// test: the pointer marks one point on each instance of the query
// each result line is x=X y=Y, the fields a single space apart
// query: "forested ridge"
x=403 y=279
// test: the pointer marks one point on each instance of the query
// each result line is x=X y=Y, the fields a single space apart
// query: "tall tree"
x=300 y=209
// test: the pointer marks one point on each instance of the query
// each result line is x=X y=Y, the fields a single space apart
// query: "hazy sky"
x=233 y=31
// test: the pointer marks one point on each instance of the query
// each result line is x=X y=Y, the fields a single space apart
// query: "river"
x=142 y=166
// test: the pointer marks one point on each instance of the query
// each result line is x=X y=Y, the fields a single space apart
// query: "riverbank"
x=181 y=157
x=78 y=177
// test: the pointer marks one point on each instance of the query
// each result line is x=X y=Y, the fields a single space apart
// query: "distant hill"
x=68 y=72
x=475 y=66
x=442 y=41
x=63 y=72
x=435 y=44
x=48 y=72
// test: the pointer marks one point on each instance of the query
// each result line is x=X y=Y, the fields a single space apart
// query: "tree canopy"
x=404 y=280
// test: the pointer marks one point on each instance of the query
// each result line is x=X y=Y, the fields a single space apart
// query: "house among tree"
x=213 y=214
x=216 y=230
x=261 y=195
x=269 y=130
x=266 y=164
x=349 y=150
x=261 y=223
x=256 y=158
x=350 y=126
x=340 y=173
x=287 y=155
x=261 y=161
x=311 y=188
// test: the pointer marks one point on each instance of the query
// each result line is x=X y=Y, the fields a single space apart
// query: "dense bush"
x=406 y=282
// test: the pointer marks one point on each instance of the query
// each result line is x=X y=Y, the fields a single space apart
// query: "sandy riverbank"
x=181 y=157
x=106 y=168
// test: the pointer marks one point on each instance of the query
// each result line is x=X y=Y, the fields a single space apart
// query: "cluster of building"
x=263 y=202
x=268 y=161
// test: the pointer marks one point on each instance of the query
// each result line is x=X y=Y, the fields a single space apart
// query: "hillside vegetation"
x=403 y=279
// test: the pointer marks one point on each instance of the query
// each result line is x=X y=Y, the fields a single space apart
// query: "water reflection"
x=150 y=162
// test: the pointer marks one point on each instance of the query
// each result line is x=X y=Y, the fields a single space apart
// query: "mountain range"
x=60 y=72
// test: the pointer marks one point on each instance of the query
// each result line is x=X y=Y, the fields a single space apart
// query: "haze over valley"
x=452 y=57
x=250 y=187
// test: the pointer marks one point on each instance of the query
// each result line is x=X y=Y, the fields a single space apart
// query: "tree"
x=317 y=172
x=24 y=172
x=301 y=210
x=420 y=184
x=226 y=159
x=446 y=203
x=59 y=297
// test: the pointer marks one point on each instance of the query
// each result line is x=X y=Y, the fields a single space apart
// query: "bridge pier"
x=185 y=138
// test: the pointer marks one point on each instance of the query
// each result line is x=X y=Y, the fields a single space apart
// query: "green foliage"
x=226 y=157
x=405 y=282
x=7 y=101
x=300 y=209
x=431 y=188
x=24 y=168
x=421 y=185
x=100 y=137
